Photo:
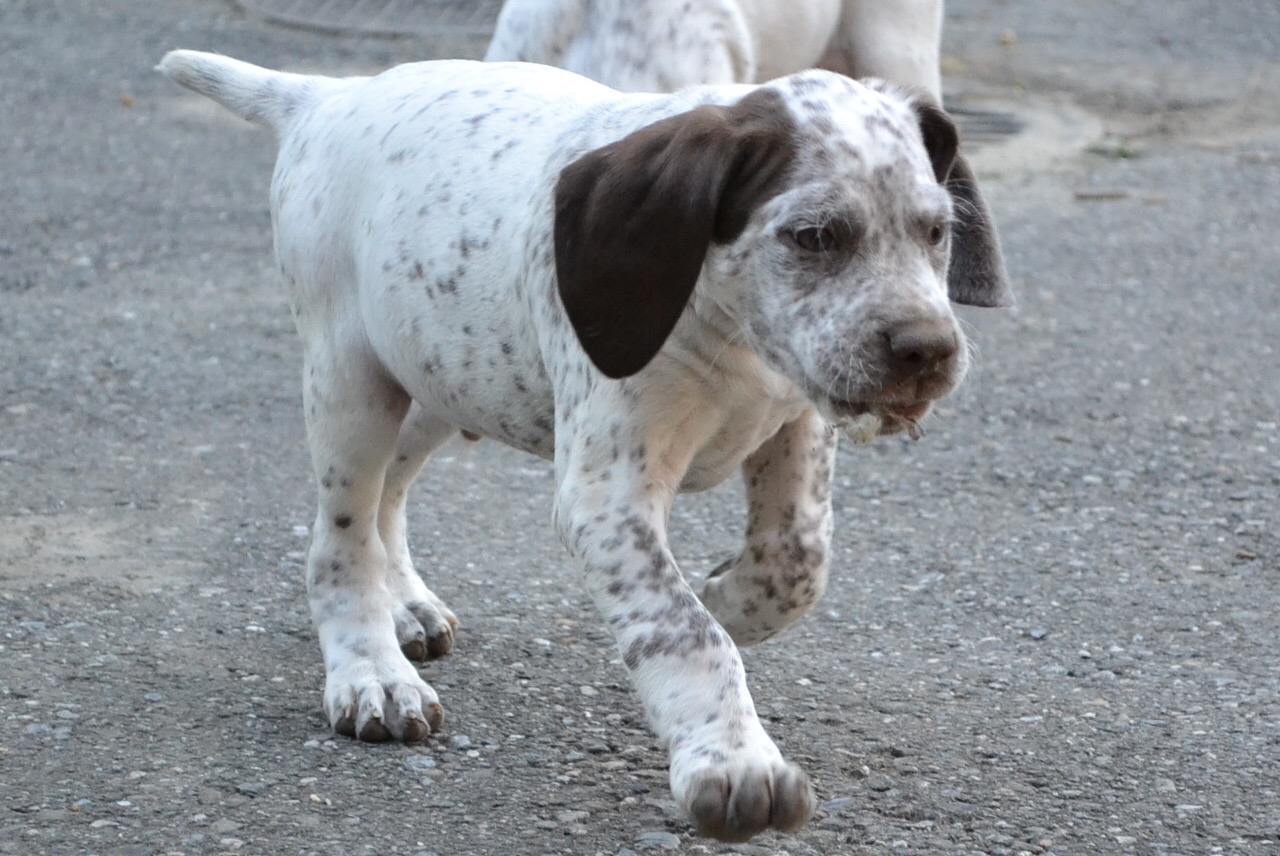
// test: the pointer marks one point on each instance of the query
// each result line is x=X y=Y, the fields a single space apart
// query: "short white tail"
x=260 y=95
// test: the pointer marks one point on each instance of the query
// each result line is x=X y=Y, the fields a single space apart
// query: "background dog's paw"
x=734 y=800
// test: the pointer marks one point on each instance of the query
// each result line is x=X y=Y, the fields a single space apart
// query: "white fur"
x=413 y=215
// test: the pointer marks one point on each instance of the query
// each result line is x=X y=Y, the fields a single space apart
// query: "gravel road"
x=1052 y=627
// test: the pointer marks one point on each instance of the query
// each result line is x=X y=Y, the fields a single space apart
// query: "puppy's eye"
x=814 y=239
x=937 y=233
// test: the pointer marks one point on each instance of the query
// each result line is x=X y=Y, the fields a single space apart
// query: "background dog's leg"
x=424 y=625
x=353 y=419
x=898 y=41
x=782 y=571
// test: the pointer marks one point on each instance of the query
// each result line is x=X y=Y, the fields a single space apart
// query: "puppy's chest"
x=719 y=419
x=740 y=435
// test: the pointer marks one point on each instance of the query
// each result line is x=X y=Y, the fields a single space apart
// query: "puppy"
x=652 y=290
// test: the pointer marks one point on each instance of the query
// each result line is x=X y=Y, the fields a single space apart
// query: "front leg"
x=782 y=571
x=726 y=773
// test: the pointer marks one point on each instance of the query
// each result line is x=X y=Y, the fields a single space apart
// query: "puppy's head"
x=817 y=213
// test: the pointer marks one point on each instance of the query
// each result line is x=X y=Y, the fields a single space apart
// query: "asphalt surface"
x=1052 y=627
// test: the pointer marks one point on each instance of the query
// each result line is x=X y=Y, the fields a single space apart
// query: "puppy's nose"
x=919 y=346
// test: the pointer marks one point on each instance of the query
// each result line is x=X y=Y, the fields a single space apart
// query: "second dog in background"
x=665 y=45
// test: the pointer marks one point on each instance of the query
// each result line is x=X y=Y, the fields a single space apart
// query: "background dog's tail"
x=260 y=95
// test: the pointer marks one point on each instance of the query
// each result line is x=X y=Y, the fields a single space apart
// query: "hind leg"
x=354 y=413
x=424 y=625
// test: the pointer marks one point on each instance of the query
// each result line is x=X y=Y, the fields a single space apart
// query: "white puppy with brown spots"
x=653 y=290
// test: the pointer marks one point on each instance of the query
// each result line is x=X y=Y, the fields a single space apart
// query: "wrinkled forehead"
x=846 y=127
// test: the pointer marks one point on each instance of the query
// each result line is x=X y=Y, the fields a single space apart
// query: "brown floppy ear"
x=977 y=275
x=634 y=220
x=941 y=139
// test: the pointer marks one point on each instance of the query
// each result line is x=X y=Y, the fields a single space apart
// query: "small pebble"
x=459 y=741
x=419 y=763
x=1037 y=633
x=880 y=784
x=657 y=840
x=837 y=805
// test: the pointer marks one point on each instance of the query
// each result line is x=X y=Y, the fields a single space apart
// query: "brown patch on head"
x=941 y=140
x=977 y=275
x=635 y=218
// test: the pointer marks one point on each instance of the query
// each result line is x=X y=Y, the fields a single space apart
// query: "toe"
x=436 y=629
x=435 y=717
x=440 y=644
x=415 y=650
x=345 y=724
x=793 y=800
x=409 y=714
x=374 y=731
x=411 y=635
x=721 y=811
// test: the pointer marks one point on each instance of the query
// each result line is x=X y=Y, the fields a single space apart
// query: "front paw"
x=373 y=693
x=746 y=612
x=760 y=593
x=733 y=797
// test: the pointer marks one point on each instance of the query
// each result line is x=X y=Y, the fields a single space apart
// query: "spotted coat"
x=652 y=290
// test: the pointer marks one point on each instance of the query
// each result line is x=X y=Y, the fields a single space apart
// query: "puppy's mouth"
x=863 y=421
